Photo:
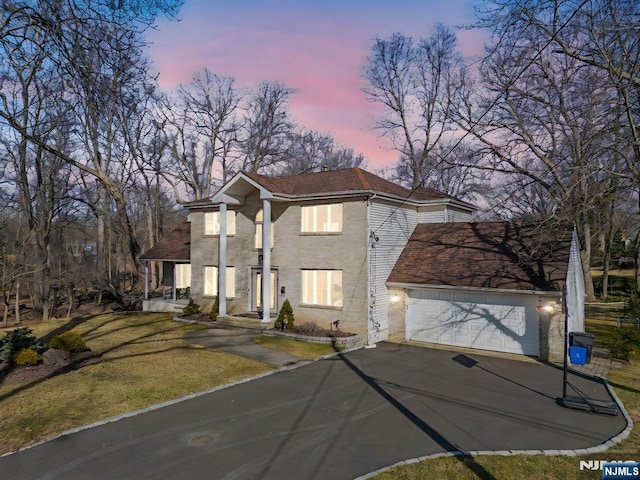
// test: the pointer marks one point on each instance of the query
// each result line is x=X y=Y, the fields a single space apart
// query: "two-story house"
x=330 y=241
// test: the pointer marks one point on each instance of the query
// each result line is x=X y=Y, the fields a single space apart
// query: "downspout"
x=373 y=324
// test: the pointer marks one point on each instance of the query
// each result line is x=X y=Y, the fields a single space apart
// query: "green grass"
x=626 y=383
x=306 y=350
x=144 y=360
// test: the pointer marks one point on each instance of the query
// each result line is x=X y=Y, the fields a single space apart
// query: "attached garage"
x=489 y=321
x=487 y=285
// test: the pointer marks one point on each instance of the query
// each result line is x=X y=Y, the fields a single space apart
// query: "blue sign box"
x=621 y=471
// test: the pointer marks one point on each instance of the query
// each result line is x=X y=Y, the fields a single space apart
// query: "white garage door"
x=500 y=322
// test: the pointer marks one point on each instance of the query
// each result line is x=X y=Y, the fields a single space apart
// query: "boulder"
x=54 y=356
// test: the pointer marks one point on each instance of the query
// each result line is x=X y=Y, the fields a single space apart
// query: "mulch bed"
x=316 y=332
x=34 y=373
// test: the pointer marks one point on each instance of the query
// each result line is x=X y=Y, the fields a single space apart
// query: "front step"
x=244 y=322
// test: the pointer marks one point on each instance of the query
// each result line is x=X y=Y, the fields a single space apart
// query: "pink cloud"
x=318 y=49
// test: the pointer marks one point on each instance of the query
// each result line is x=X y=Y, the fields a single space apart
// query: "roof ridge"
x=361 y=176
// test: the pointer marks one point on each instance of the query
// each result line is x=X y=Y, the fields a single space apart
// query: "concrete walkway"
x=239 y=341
x=337 y=419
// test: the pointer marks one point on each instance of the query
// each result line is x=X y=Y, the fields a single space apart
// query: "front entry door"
x=256 y=290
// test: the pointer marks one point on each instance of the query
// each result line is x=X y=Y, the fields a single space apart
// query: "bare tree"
x=544 y=118
x=92 y=50
x=266 y=126
x=201 y=129
x=310 y=151
x=414 y=82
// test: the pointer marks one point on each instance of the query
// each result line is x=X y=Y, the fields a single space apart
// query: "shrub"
x=70 y=341
x=14 y=341
x=285 y=315
x=310 y=328
x=215 y=310
x=192 y=308
x=625 y=342
x=633 y=306
x=27 y=356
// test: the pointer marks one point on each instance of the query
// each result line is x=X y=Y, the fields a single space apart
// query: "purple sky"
x=319 y=47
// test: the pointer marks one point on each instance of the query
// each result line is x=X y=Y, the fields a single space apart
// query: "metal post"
x=566 y=342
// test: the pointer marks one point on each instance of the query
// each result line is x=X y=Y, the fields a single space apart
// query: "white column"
x=222 y=262
x=266 y=260
x=146 y=280
x=174 y=291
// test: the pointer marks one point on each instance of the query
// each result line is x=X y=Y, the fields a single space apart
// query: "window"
x=322 y=287
x=259 y=221
x=212 y=223
x=322 y=219
x=183 y=275
x=211 y=282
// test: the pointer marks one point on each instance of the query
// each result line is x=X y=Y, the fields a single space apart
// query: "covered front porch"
x=234 y=194
x=167 y=272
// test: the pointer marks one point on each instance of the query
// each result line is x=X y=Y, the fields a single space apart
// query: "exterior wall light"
x=394 y=299
x=546 y=308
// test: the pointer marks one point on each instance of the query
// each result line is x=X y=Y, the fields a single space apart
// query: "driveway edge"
x=507 y=453
x=175 y=401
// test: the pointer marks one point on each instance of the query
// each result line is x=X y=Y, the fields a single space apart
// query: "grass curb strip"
x=178 y=400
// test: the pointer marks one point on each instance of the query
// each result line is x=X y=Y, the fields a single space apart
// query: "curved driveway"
x=333 y=419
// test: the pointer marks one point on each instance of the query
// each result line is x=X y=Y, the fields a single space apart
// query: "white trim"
x=422 y=286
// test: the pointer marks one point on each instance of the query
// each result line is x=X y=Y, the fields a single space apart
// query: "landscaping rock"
x=53 y=356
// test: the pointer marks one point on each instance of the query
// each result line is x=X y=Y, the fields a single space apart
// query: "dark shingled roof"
x=343 y=180
x=176 y=246
x=498 y=255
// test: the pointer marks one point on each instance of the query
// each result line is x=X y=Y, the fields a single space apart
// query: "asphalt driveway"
x=333 y=419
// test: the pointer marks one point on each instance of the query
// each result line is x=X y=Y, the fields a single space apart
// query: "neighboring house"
x=332 y=247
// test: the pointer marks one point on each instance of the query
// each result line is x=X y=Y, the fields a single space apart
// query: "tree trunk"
x=17 y=302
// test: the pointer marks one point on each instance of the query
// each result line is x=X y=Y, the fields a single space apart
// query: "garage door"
x=500 y=322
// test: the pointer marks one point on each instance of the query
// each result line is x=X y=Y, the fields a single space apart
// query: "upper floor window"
x=212 y=223
x=259 y=223
x=322 y=219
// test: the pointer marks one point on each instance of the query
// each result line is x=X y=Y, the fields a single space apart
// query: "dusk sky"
x=317 y=47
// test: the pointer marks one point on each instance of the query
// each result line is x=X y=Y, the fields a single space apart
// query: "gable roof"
x=330 y=183
x=495 y=255
x=176 y=246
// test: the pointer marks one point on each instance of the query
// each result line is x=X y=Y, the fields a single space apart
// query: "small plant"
x=70 y=341
x=633 y=306
x=625 y=342
x=27 y=356
x=285 y=316
x=215 y=310
x=14 y=341
x=310 y=328
x=192 y=308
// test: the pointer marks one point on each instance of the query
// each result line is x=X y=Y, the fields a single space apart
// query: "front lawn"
x=143 y=361
x=306 y=350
